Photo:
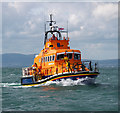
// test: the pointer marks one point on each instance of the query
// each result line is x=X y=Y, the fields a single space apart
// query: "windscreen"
x=61 y=56
x=77 y=56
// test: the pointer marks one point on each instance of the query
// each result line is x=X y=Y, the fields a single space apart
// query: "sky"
x=93 y=27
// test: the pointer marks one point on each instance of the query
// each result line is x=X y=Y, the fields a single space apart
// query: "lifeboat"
x=58 y=61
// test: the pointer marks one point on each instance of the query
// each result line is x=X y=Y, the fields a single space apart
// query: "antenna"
x=67 y=28
x=53 y=29
x=45 y=26
x=51 y=21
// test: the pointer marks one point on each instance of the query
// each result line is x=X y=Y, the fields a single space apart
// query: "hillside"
x=21 y=60
x=17 y=60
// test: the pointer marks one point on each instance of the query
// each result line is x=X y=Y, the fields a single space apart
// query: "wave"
x=63 y=82
x=67 y=82
x=9 y=84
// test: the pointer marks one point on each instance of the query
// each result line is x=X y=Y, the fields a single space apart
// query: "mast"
x=50 y=24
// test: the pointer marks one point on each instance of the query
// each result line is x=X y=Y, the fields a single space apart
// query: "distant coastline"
x=22 y=60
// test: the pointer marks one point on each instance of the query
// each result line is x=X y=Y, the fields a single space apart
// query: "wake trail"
x=67 y=82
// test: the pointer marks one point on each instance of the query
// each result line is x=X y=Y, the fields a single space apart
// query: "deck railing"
x=75 y=67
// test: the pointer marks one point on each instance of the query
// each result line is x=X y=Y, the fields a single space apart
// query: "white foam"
x=12 y=74
x=9 y=84
x=63 y=82
x=67 y=82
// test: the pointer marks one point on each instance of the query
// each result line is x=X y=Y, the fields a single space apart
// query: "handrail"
x=76 y=66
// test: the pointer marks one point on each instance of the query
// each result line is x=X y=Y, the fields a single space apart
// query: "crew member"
x=68 y=65
x=39 y=69
x=35 y=71
x=65 y=58
x=34 y=65
x=39 y=72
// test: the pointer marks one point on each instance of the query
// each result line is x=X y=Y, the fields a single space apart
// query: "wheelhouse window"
x=60 y=56
x=77 y=56
x=53 y=57
x=45 y=59
x=42 y=59
x=58 y=44
x=69 y=55
x=48 y=58
x=51 y=46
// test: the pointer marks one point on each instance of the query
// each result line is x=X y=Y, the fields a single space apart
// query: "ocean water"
x=60 y=96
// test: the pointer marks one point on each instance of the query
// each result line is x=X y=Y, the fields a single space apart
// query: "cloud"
x=18 y=7
x=8 y=34
x=106 y=11
x=74 y=19
x=92 y=26
x=81 y=27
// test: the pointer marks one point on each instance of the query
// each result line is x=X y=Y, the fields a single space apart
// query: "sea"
x=66 y=95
